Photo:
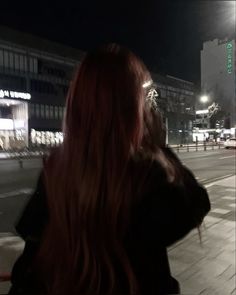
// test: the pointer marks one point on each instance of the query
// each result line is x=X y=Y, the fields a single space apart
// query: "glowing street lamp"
x=204 y=98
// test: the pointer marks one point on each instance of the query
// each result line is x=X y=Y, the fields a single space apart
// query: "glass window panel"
x=56 y=112
x=42 y=111
x=1 y=58
x=37 y=111
x=6 y=59
x=47 y=111
x=51 y=112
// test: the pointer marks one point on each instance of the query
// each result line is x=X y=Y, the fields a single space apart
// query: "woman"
x=112 y=198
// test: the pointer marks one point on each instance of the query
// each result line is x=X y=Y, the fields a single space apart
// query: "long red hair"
x=89 y=178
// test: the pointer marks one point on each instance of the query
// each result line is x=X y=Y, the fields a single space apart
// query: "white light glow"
x=14 y=94
x=6 y=124
x=147 y=84
x=204 y=98
x=201 y=112
x=19 y=124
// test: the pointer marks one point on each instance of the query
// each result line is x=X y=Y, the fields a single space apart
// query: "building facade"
x=34 y=78
x=176 y=100
x=218 y=77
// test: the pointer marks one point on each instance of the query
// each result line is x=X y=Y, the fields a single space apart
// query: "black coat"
x=165 y=214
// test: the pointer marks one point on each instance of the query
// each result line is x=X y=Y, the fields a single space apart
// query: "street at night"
x=17 y=183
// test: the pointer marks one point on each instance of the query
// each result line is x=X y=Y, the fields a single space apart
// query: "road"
x=210 y=165
x=17 y=183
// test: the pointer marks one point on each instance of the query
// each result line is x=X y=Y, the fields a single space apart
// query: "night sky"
x=167 y=35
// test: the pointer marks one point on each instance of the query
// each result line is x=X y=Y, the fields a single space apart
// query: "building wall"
x=45 y=76
x=176 y=101
x=218 y=74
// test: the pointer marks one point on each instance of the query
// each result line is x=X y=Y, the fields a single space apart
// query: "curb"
x=208 y=182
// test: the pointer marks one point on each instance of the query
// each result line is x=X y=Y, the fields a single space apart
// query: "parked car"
x=230 y=143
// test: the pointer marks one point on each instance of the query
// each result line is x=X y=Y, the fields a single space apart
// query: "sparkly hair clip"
x=151 y=97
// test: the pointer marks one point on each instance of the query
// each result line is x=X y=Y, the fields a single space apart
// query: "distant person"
x=112 y=197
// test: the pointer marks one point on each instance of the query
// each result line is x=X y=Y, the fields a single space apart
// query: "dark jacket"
x=166 y=213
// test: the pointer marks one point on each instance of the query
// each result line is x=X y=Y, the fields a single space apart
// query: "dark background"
x=168 y=35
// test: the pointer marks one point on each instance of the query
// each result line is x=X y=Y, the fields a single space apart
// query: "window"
x=42 y=86
x=51 y=112
x=11 y=60
x=1 y=58
x=5 y=59
x=17 y=62
x=56 y=112
x=21 y=63
x=31 y=110
x=37 y=111
x=33 y=65
x=61 y=112
x=47 y=111
x=42 y=110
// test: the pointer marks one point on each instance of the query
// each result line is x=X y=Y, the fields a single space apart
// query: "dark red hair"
x=89 y=179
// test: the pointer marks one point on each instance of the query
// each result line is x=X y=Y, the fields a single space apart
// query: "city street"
x=17 y=183
x=213 y=168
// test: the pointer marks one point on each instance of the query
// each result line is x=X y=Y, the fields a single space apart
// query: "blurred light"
x=201 y=112
x=14 y=94
x=147 y=84
x=6 y=124
x=204 y=98
x=19 y=124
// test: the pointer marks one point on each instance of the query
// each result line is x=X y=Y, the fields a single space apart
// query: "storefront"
x=13 y=119
x=45 y=138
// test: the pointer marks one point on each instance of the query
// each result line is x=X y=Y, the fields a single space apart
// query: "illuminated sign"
x=14 y=94
x=229 y=47
x=6 y=124
x=202 y=112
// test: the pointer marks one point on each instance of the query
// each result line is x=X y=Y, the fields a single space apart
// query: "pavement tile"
x=228 y=273
x=220 y=211
x=178 y=266
x=210 y=220
x=10 y=248
x=211 y=270
x=228 y=198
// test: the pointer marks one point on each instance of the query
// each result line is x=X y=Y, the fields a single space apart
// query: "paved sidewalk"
x=209 y=267
x=201 y=268
x=10 y=248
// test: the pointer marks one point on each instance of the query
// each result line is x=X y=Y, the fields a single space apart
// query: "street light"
x=204 y=98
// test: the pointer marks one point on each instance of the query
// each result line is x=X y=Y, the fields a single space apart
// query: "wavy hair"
x=89 y=178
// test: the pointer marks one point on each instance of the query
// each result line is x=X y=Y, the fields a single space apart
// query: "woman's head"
x=107 y=96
